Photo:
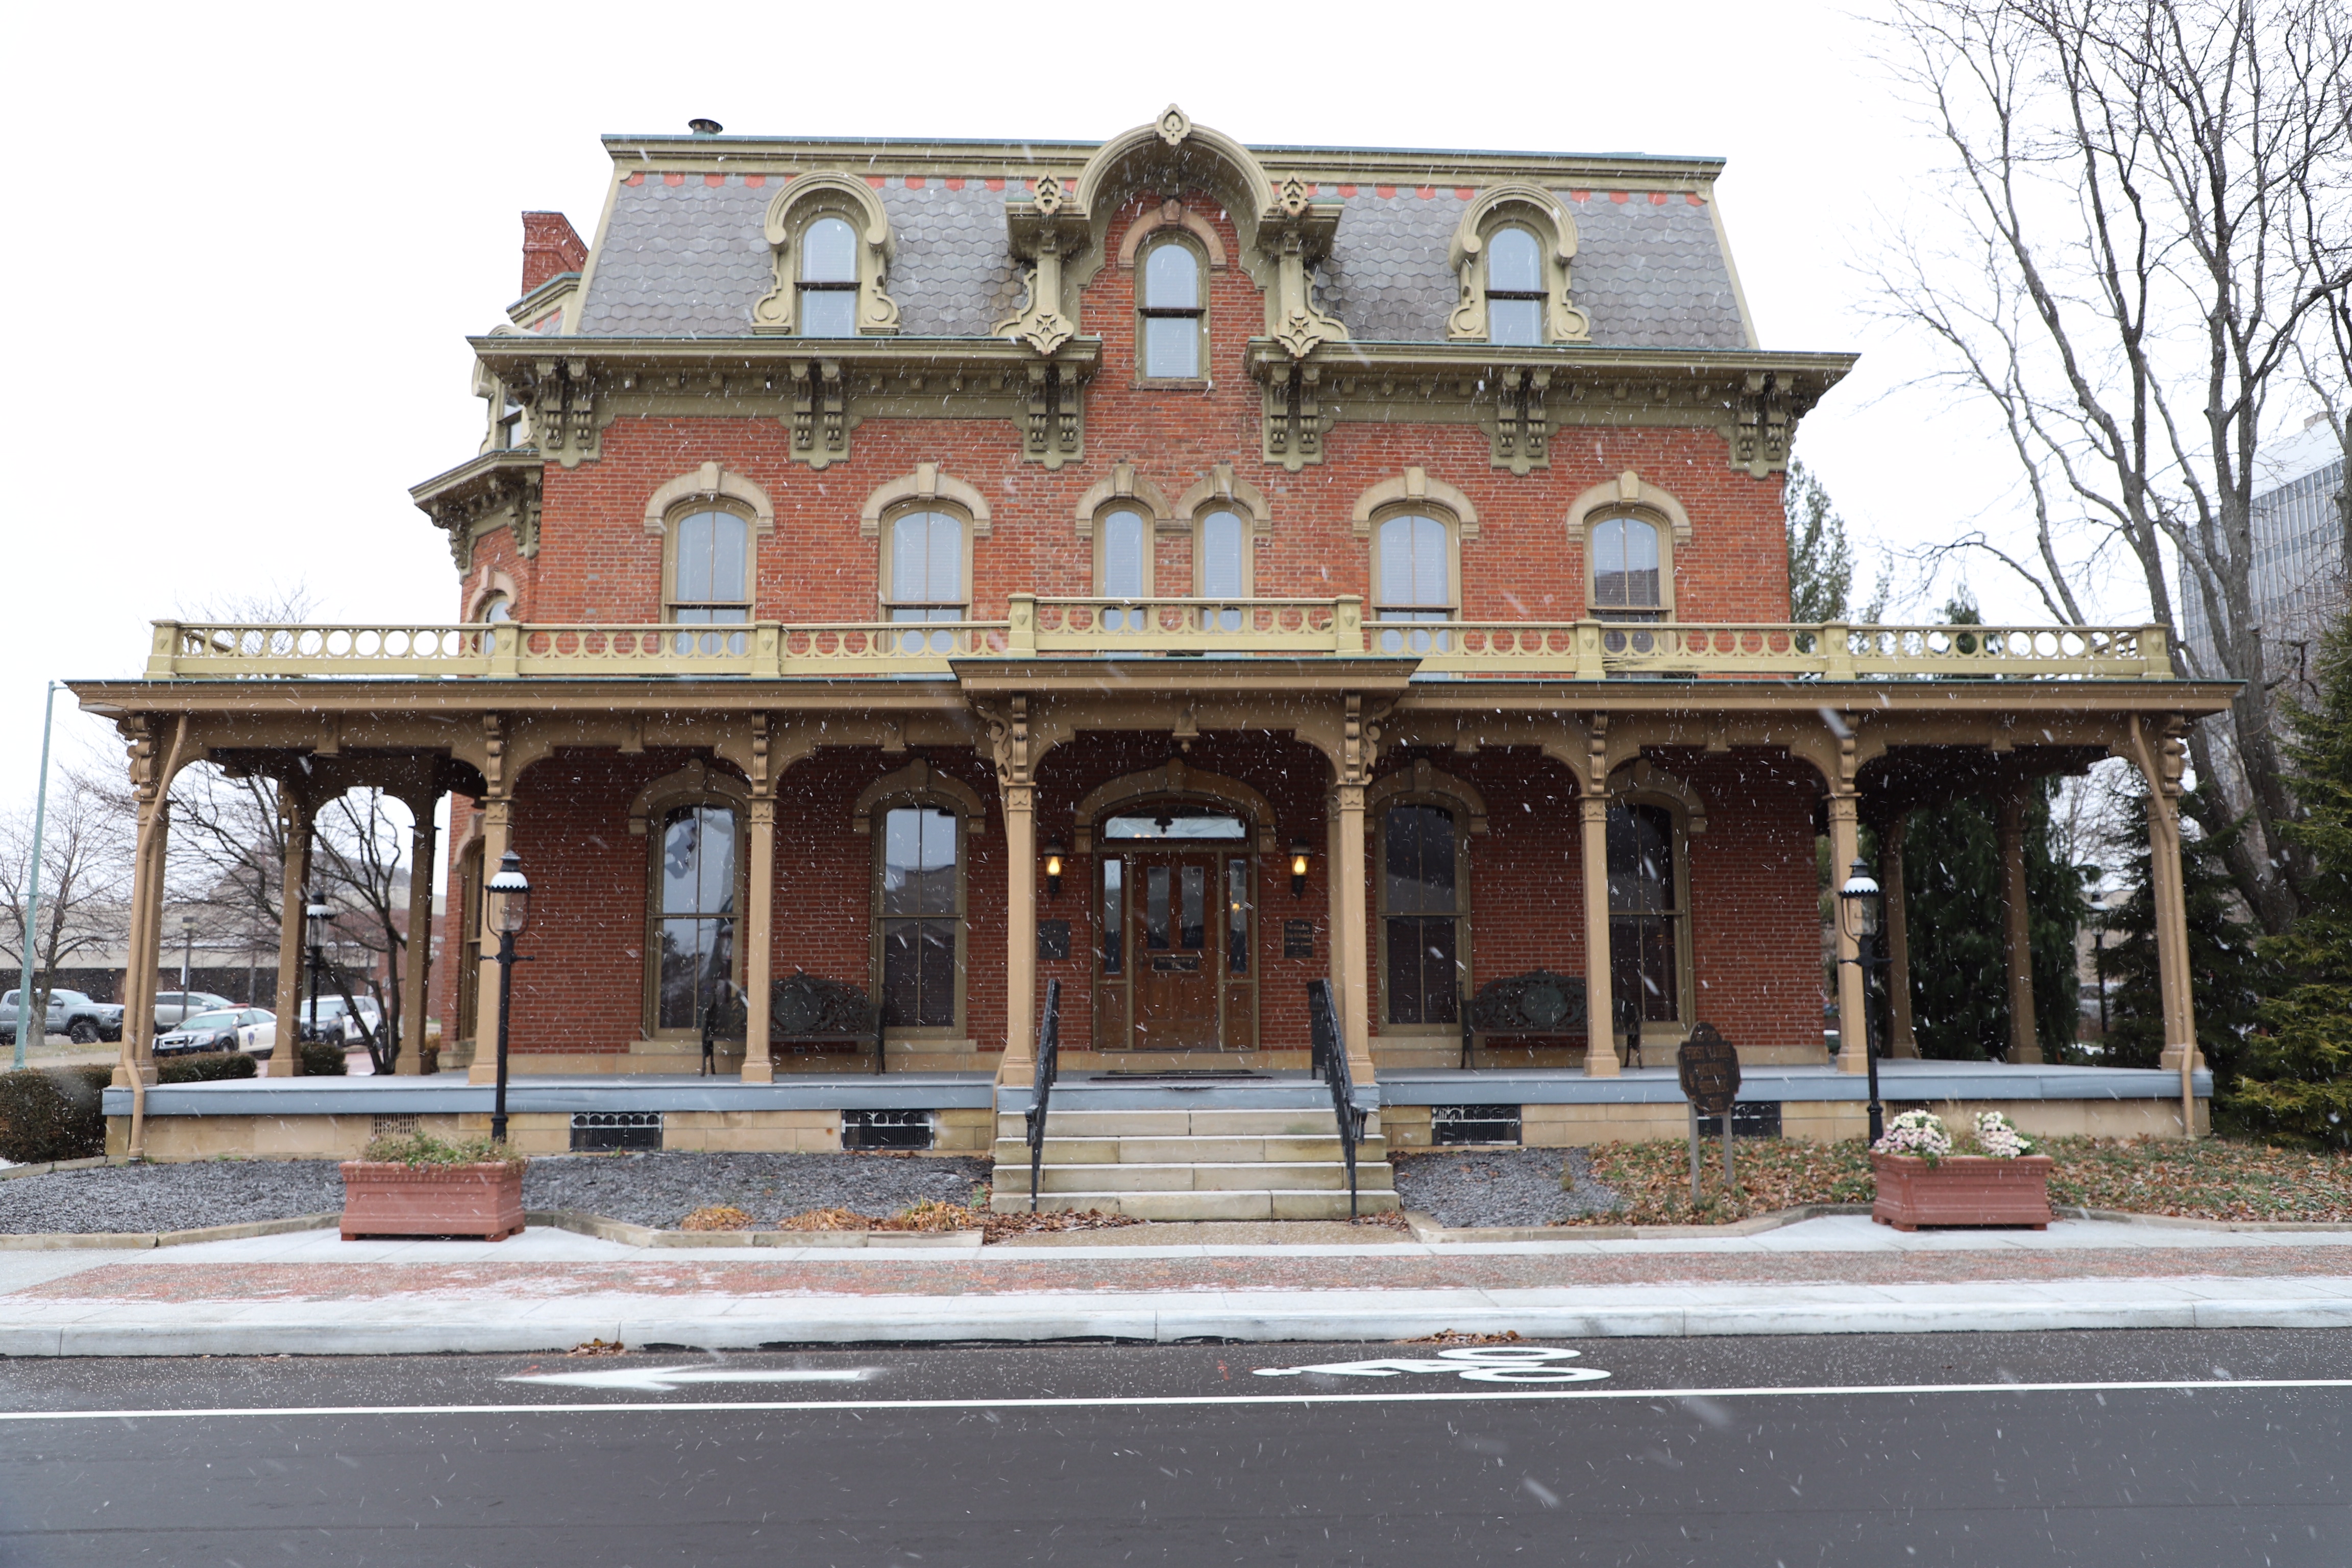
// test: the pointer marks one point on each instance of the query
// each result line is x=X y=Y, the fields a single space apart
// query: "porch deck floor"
x=1899 y=1079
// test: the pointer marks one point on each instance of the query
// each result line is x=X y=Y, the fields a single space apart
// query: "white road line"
x=1111 y=1402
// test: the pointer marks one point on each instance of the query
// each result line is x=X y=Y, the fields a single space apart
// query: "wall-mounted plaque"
x=1053 y=938
x=1298 y=939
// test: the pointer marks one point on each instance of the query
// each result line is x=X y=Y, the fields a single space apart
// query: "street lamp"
x=2099 y=956
x=317 y=908
x=511 y=916
x=187 y=958
x=1860 y=905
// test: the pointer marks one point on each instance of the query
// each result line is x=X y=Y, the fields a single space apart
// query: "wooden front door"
x=1174 y=930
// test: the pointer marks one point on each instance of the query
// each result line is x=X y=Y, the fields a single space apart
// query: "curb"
x=45 y=1167
x=66 y=1241
x=629 y=1235
x=1427 y=1229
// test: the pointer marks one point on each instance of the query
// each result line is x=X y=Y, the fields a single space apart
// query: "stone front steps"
x=1198 y=1162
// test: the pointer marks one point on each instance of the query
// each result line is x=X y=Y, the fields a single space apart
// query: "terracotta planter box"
x=1963 y=1189
x=382 y=1199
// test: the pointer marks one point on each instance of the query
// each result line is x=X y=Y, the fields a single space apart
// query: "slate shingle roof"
x=690 y=260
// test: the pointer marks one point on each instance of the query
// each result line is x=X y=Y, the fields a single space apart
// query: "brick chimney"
x=550 y=246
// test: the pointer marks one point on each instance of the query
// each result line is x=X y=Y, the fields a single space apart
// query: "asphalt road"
x=1996 y=1449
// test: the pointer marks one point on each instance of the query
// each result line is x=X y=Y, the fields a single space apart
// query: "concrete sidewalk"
x=312 y=1293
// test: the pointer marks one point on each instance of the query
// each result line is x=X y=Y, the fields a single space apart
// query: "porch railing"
x=1329 y=1059
x=1049 y=1067
x=1036 y=628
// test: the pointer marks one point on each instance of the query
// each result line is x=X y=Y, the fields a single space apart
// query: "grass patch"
x=2212 y=1178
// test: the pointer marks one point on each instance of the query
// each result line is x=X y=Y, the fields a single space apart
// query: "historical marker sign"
x=1710 y=1068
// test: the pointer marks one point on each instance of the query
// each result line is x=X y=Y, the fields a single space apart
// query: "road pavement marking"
x=1486 y=1364
x=1108 y=1402
x=663 y=1379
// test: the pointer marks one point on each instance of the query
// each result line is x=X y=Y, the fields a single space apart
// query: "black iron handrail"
x=1049 y=1062
x=1330 y=1062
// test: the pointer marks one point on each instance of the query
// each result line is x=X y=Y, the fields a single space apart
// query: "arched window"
x=691 y=945
x=828 y=280
x=1423 y=906
x=926 y=566
x=1175 y=316
x=918 y=917
x=1515 y=288
x=709 y=568
x=1646 y=939
x=1221 y=555
x=1628 y=569
x=1412 y=567
x=1124 y=540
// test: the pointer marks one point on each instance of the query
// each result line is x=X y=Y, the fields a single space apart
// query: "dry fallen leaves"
x=717 y=1216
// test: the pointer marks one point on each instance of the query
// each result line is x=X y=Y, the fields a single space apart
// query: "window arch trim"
x=1127 y=488
x=1424 y=782
x=492 y=584
x=804 y=200
x=706 y=487
x=698 y=781
x=919 y=781
x=929 y=486
x=1516 y=204
x=1176 y=781
x=1415 y=486
x=1172 y=213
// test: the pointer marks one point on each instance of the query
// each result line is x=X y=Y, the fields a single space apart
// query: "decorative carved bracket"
x=1522 y=432
x=1763 y=422
x=1296 y=235
x=499 y=490
x=563 y=397
x=1295 y=418
x=819 y=414
x=1052 y=425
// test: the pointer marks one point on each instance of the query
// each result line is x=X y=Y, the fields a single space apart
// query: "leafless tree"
x=84 y=882
x=2155 y=238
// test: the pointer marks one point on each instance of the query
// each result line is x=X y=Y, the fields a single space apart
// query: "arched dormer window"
x=1510 y=257
x=1515 y=288
x=828 y=280
x=832 y=248
x=1173 y=317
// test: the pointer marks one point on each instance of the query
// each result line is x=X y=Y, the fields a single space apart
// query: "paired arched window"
x=828 y=279
x=925 y=552
x=1516 y=291
x=1423 y=908
x=1221 y=558
x=1172 y=312
x=691 y=949
x=1629 y=557
x=918 y=916
x=1647 y=943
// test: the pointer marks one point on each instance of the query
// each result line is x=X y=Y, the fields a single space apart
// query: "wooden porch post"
x=294 y=815
x=1350 y=937
x=498 y=819
x=1853 y=1017
x=2017 y=949
x=137 y=1061
x=1020 y=933
x=759 y=958
x=1600 y=1010
x=414 y=986
x=1904 y=1040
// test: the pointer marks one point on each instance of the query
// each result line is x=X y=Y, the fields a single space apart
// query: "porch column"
x=137 y=1060
x=413 y=984
x=2017 y=947
x=1019 y=935
x=1349 y=939
x=1853 y=1015
x=497 y=820
x=2180 y=1052
x=1902 y=1041
x=758 y=958
x=294 y=815
x=1600 y=1009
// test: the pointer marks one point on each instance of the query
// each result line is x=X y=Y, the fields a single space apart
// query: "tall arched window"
x=918 y=917
x=926 y=561
x=1412 y=561
x=828 y=280
x=1123 y=565
x=692 y=944
x=1221 y=553
x=1174 y=316
x=469 y=939
x=1422 y=891
x=1515 y=288
x=710 y=569
x=1628 y=569
x=1645 y=913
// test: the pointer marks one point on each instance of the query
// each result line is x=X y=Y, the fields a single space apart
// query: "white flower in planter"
x=1998 y=1139
x=1915 y=1132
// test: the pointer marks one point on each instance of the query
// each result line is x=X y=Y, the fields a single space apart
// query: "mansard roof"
x=682 y=251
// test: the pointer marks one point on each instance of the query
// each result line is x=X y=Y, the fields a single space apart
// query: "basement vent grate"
x=1749 y=1118
x=1474 y=1123
x=391 y=1126
x=886 y=1128
x=597 y=1131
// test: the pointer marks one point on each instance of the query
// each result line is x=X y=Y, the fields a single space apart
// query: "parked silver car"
x=174 y=1008
x=71 y=1014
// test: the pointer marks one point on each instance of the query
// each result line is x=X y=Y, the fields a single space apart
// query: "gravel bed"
x=118 y=1199
x=659 y=1190
x=1500 y=1187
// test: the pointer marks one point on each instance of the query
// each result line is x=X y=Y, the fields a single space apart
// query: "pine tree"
x=1820 y=560
x=2298 y=1073
x=2223 y=967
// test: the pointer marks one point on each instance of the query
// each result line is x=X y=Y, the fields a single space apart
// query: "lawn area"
x=2211 y=1178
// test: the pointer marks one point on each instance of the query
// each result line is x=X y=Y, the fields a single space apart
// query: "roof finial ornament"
x=1174 y=126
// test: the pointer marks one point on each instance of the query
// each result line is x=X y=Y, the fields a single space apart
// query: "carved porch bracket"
x=1763 y=422
x=818 y=414
x=1521 y=430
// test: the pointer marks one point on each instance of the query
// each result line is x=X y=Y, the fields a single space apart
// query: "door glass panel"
x=1155 y=907
x=918 y=927
x=1114 y=938
x=1420 y=840
x=1191 y=934
x=1422 y=975
x=1641 y=912
x=1237 y=917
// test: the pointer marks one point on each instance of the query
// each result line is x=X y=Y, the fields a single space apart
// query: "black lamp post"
x=2099 y=958
x=1860 y=904
x=187 y=960
x=319 y=911
x=513 y=914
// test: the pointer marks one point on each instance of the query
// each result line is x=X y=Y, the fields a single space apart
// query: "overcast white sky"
x=249 y=241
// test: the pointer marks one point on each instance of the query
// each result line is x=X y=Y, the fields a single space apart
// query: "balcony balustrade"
x=1041 y=628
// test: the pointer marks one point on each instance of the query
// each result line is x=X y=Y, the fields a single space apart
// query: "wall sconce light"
x=1054 y=870
x=1299 y=851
